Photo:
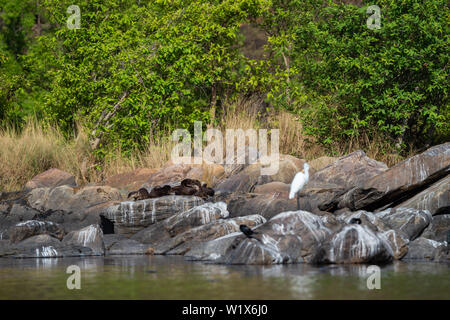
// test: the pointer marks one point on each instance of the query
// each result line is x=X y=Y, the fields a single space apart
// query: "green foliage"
x=17 y=19
x=157 y=65
x=345 y=78
x=172 y=60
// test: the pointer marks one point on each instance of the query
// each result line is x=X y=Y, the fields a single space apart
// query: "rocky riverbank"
x=404 y=213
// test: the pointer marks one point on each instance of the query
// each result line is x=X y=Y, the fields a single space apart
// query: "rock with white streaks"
x=181 y=222
x=211 y=250
x=435 y=198
x=438 y=229
x=42 y=246
x=30 y=228
x=126 y=246
x=397 y=239
x=288 y=237
x=183 y=242
x=355 y=244
x=409 y=221
x=129 y=217
x=90 y=236
x=71 y=199
x=396 y=184
x=427 y=249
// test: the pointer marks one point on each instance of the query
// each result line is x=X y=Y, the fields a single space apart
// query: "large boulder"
x=90 y=237
x=50 y=179
x=288 y=237
x=211 y=250
x=396 y=184
x=42 y=246
x=322 y=162
x=267 y=205
x=272 y=203
x=435 y=198
x=355 y=244
x=350 y=170
x=427 y=249
x=126 y=246
x=251 y=176
x=410 y=222
x=31 y=228
x=197 y=216
x=183 y=242
x=129 y=217
x=71 y=199
x=180 y=222
x=12 y=213
x=278 y=188
x=397 y=239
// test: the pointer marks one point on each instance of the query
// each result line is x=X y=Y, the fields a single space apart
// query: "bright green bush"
x=345 y=78
x=170 y=61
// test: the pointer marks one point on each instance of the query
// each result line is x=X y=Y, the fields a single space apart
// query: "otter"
x=160 y=191
x=208 y=191
x=182 y=190
x=141 y=194
x=205 y=192
x=156 y=192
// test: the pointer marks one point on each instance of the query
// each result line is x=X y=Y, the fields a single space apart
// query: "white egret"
x=297 y=184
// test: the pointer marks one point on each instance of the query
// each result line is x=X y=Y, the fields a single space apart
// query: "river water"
x=171 y=277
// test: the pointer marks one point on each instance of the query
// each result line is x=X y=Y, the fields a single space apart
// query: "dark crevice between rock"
x=106 y=225
x=442 y=211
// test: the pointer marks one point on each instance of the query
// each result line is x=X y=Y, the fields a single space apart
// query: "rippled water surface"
x=162 y=277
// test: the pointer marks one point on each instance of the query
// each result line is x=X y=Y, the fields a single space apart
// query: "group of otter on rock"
x=188 y=187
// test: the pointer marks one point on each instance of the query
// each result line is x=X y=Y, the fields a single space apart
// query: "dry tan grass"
x=247 y=114
x=32 y=151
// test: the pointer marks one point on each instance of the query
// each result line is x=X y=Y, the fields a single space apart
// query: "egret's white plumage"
x=299 y=181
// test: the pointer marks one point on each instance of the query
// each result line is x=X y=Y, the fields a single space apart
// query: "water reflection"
x=170 y=277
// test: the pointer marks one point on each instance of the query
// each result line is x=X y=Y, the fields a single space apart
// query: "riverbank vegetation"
x=104 y=99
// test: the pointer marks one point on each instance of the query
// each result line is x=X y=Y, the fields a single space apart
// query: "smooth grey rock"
x=126 y=246
x=435 y=198
x=438 y=229
x=129 y=217
x=31 y=228
x=396 y=184
x=427 y=249
x=355 y=244
x=409 y=221
x=288 y=237
x=211 y=250
x=42 y=246
x=110 y=239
